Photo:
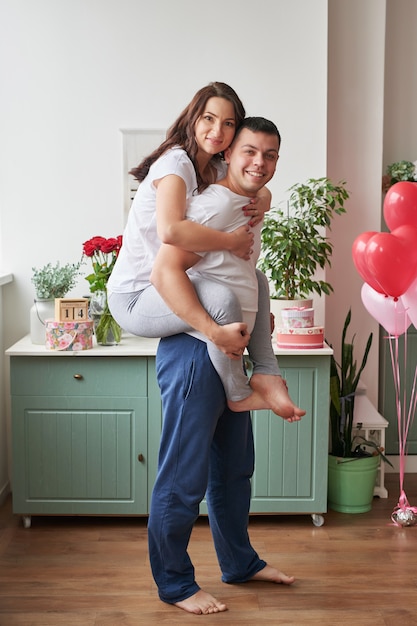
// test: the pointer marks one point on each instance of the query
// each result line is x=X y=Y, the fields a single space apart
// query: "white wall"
x=400 y=101
x=79 y=70
x=73 y=72
x=355 y=136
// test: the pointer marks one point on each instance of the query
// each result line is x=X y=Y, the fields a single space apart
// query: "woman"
x=185 y=164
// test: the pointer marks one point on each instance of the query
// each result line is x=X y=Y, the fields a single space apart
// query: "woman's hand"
x=258 y=206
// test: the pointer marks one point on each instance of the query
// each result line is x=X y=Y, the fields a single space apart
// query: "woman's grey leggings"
x=144 y=313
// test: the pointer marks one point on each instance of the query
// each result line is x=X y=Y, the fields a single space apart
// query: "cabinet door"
x=291 y=459
x=80 y=456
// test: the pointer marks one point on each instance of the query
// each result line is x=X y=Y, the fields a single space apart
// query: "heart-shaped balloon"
x=359 y=260
x=389 y=312
x=409 y=299
x=400 y=205
x=392 y=260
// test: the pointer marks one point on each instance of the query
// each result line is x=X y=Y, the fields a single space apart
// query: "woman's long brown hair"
x=181 y=133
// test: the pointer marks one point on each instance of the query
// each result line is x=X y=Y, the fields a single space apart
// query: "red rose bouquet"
x=103 y=253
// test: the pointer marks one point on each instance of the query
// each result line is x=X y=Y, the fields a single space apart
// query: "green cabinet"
x=79 y=435
x=291 y=458
x=86 y=427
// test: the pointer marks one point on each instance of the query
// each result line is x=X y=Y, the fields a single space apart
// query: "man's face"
x=252 y=160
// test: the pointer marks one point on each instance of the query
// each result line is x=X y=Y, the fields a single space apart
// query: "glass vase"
x=107 y=330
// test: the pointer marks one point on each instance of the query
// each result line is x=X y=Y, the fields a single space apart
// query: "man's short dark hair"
x=259 y=125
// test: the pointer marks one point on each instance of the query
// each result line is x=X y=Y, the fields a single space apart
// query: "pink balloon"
x=400 y=205
x=409 y=300
x=359 y=260
x=389 y=312
x=392 y=260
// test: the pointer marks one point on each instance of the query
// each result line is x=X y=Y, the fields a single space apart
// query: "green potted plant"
x=397 y=172
x=54 y=281
x=51 y=281
x=353 y=460
x=294 y=243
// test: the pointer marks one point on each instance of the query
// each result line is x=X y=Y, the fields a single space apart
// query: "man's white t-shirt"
x=221 y=209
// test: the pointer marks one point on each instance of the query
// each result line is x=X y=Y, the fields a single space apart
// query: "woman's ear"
x=227 y=154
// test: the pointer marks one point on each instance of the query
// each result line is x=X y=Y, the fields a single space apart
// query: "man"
x=205 y=447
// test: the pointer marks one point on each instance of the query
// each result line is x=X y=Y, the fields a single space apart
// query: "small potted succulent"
x=50 y=281
x=54 y=281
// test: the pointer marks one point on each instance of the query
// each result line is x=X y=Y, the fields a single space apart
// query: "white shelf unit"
x=373 y=426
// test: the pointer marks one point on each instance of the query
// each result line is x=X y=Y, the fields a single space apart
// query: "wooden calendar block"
x=71 y=309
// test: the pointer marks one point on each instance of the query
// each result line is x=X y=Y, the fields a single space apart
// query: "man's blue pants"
x=205 y=449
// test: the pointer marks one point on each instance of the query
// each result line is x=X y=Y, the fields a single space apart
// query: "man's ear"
x=227 y=153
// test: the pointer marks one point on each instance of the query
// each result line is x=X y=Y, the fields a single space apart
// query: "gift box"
x=297 y=338
x=297 y=317
x=72 y=336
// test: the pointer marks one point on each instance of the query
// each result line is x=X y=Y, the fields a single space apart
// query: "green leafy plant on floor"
x=344 y=380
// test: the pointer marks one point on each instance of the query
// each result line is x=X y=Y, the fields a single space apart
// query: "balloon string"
x=404 y=417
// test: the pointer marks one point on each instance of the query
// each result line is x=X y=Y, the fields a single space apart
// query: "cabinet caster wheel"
x=27 y=521
x=318 y=520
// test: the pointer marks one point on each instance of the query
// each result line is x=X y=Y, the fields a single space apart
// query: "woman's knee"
x=223 y=306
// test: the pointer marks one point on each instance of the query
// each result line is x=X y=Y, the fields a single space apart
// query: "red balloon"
x=400 y=205
x=359 y=259
x=392 y=261
x=408 y=235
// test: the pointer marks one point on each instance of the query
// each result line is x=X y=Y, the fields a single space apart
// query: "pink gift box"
x=298 y=338
x=71 y=336
x=297 y=317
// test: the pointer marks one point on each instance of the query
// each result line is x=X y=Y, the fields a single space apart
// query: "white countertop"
x=5 y=278
x=129 y=346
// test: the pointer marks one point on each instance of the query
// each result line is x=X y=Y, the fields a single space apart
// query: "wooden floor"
x=84 y=571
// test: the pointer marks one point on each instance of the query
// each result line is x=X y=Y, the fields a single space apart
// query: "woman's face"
x=215 y=128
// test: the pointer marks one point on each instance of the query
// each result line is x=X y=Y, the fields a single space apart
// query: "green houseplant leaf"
x=344 y=380
x=294 y=243
x=54 y=281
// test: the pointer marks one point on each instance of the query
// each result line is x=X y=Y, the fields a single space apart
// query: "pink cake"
x=297 y=338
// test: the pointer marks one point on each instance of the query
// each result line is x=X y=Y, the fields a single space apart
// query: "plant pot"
x=41 y=311
x=278 y=305
x=351 y=483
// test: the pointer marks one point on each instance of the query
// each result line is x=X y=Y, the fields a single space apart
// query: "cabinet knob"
x=141 y=458
x=78 y=376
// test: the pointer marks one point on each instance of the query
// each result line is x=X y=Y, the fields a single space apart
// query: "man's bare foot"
x=201 y=603
x=271 y=575
x=274 y=392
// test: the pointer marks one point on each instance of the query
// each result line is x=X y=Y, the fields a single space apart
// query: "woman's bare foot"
x=201 y=603
x=252 y=403
x=271 y=575
x=274 y=392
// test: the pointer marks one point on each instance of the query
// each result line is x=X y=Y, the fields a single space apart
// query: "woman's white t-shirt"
x=140 y=240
